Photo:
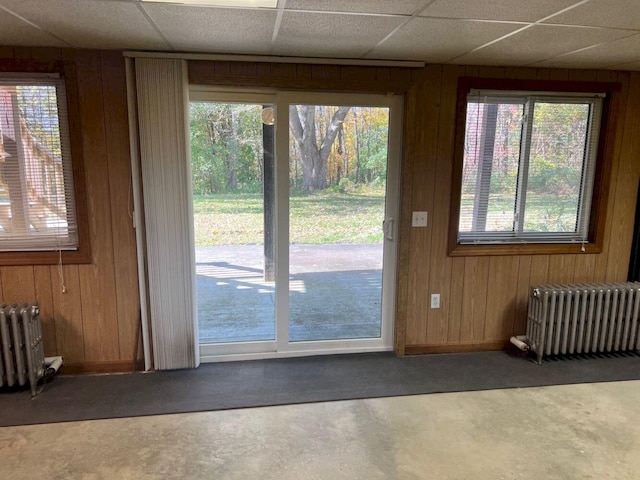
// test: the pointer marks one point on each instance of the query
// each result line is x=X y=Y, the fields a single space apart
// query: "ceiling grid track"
x=276 y=27
x=148 y=18
x=399 y=27
x=504 y=37
x=31 y=24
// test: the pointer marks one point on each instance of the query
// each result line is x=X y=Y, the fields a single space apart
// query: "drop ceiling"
x=602 y=34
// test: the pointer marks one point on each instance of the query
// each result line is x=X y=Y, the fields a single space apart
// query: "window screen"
x=37 y=208
x=528 y=167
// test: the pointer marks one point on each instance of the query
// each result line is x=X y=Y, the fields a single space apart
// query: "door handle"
x=387 y=229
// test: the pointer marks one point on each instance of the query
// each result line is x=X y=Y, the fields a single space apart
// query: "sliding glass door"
x=232 y=166
x=295 y=200
x=337 y=179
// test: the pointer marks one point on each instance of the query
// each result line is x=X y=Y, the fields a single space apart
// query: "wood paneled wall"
x=484 y=299
x=94 y=323
x=291 y=76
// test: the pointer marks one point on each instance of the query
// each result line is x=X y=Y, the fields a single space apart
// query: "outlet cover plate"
x=435 y=300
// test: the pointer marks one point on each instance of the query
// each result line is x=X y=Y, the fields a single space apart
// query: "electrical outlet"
x=435 y=300
x=419 y=219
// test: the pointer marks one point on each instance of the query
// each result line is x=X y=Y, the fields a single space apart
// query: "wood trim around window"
x=600 y=195
x=82 y=255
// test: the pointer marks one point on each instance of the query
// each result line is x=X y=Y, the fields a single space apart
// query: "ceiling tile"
x=603 y=13
x=399 y=7
x=539 y=43
x=627 y=66
x=438 y=40
x=91 y=24
x=321 y=35
x=218 y=30
x=506 y=10
x=605 y=55
x=15 y=32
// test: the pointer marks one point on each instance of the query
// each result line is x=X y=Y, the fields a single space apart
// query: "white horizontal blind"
x=529 y=162
x=37 y=206
x=162 y=99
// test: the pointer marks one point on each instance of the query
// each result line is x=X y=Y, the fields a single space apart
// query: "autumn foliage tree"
x=330 y=146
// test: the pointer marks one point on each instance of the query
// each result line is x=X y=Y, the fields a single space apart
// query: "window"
x=528 y=166
x=37 y=204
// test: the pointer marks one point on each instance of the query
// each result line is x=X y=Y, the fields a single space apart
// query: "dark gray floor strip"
x=299 y=380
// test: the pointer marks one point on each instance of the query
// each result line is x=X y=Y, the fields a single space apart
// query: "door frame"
x=282 y=347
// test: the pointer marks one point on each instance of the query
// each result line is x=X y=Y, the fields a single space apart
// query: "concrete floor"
x=588 y=431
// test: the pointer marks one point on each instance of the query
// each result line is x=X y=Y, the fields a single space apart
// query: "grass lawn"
x=315 y=218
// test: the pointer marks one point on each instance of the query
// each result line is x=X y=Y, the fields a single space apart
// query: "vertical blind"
x=37 y=206
x=162 y=100
x=529 y=163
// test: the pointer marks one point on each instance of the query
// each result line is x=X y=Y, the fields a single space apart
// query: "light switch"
x=419 y=219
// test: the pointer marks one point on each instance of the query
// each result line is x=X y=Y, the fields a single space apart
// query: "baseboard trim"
x=457 y=347
x=102 y=367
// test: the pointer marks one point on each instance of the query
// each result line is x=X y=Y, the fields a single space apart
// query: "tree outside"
x=337 y=173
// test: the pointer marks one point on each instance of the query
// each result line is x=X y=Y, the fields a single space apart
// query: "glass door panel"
x=232 y=160
x=337 y=180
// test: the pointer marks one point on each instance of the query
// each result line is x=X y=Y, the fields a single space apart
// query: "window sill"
x=44 y=258
x=523 y=249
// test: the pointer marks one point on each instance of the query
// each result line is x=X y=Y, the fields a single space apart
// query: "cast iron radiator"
x=586 y=318
x=21 y=348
